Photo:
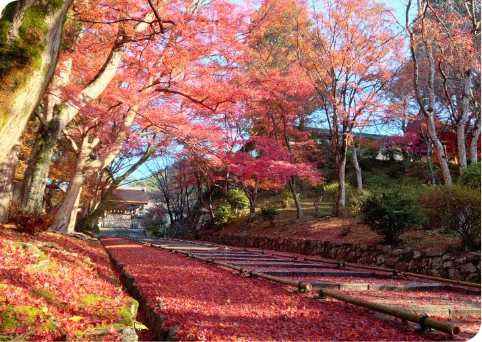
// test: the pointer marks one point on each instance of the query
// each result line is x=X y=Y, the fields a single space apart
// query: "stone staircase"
x=123 y=232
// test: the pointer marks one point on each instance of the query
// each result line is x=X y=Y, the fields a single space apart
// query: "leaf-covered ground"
x=55 y=287
x=211 y=303
x=332 y=228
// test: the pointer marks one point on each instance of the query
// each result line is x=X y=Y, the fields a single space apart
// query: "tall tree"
x=282 y=104
x=349 y=56
x=30 y=37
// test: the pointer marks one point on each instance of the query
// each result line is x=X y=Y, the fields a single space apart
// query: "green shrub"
x=223 y=214
x=269 y=214
x=453 y=208
x=30 y=222
x=470 y=177
x=237 y=200
x=390 y=213
x=286 y=199
x=352 y=195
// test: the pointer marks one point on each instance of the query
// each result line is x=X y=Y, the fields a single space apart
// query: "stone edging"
x=428 y=262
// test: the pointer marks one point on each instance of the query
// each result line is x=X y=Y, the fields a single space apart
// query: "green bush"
x=453 y=208
x=286 y=199
x=390 y=213
x=223 y=214
x=269 y=214
x=470 y=177
x=237 y=200
x=353 y=195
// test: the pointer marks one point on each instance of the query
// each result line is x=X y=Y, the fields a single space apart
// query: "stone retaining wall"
x=464 y=266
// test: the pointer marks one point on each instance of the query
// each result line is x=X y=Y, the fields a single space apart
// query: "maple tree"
x=280 y=107
x=153 y=82
x=349 y=55
x=263 y=163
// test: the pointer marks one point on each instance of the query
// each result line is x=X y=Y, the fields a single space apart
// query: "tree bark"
x=299 y=211
x=359 y=180
x=66 y=210
x=341 y=197
x=252 y=195
x=340 y=167
x=34 y=181
x=67 y=214
x=474 y=142
x=7 y=176
x=24 y=81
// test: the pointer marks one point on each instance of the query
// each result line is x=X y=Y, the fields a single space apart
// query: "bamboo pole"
x=424 y=321
x=299 y=284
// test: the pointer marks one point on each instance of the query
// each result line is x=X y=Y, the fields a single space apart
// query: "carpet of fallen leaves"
x=55 y=287
x=211 y=303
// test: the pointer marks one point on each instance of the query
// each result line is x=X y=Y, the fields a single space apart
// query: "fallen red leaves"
x=54 y=287
x=210 y=303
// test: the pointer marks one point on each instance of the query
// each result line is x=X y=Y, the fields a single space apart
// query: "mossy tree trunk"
x=30 y=37
x=34 y=182
x=358 y=170
x=7 y=175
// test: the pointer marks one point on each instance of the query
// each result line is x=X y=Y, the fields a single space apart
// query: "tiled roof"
x=131 y=195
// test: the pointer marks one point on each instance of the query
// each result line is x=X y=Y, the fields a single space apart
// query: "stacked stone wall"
x=446 y=264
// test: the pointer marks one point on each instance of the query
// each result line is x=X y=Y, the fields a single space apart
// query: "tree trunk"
x=63 y=218
x=474 y=141
x=94 y=217
x=67 y=212
x=439 y=149
x=252 y=195
x=341 y=198
x=34 y=182
x=299 y=212
x=23 y=81
x=462 y=122
x=429 y=161
x=359 y=180
x=7 y=176
x=340 y=167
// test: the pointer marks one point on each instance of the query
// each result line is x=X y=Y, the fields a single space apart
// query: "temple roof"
x=131 y=195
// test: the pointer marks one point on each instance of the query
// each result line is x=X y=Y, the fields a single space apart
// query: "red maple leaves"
x=210 y=303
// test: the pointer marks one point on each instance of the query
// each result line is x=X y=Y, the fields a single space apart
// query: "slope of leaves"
x=211 y=303
x=54 y=287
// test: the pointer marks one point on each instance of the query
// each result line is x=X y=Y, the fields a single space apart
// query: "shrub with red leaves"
x=30 y=222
